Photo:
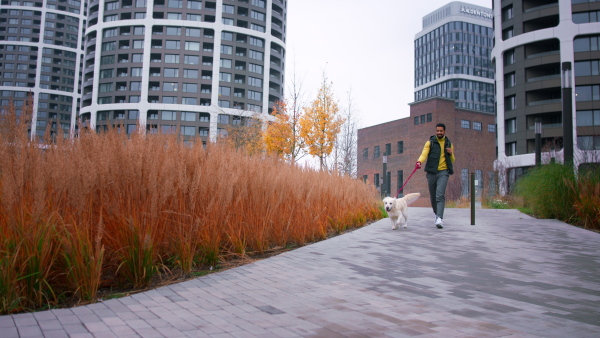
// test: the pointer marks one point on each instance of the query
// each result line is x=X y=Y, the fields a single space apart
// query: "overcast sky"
x=363 y=46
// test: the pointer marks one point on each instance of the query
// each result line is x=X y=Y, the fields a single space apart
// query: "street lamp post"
x=567 y=115
x=538 y=142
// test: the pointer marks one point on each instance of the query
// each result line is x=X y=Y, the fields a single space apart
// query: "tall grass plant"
x=555 y=191
x=114 y=210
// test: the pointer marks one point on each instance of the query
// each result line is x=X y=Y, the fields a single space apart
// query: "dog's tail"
x=409 y=198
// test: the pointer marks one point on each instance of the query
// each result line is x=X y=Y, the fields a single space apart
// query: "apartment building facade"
x=546 y=56
x=184 y=66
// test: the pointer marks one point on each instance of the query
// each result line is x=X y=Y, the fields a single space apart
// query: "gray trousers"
x=437 y=191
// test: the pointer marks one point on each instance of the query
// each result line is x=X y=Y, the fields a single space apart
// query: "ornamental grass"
x=116 y=211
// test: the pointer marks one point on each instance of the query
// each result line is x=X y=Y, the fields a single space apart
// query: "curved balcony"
x=87 y=96
x=89 y=82
x=89 y=56
x=90 y=42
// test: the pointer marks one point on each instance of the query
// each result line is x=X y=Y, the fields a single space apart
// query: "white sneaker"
x=439 y=223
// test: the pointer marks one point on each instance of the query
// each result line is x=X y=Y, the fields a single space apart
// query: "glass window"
x=192 y=45
x=225 y=91
x=465 y=124
x=189 y=100
x=105 y=87
x=228 y=9
x=510 y=80
x=169 y=115
x=172 y=44
x=257 y=42
x=173 y=30
x=258 y=28
x=583 y=93
x=507 y=13
x=171 y=58
x=226 y=49
x=376 y=152
x=174 y=16
x=492 y=128
x=190 y=73
x=511 y=102
x=138 y=30
x=170 y=86
x=225 y=63
x=254 y=95
x=136 y=71
x=135 y=85
x=174 y=3
x=193 y=4
x=254 y=68
x=223 y=119
x=193 y=32
x=226 y=36
x=138 y=44
x=400 y=147
x=476 y=125
x=171 y=72
x=511 y=126
x=191 y=59
x=188 y=116
x=257 y=15
x=255 y=82
x=225 y=77
x=188 y=130
x=256 y=55
x=190 y=87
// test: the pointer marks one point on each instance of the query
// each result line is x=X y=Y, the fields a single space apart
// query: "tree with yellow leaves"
x=320 y=124
x=282 y=136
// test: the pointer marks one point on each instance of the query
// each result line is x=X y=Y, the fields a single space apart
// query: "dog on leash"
x=397 y=209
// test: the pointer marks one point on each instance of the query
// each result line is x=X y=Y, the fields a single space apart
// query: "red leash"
x=416 y=168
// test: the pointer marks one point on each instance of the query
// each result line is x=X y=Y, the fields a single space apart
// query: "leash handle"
x=416 y=168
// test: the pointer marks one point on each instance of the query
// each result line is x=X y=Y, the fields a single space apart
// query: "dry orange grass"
x=110 y=210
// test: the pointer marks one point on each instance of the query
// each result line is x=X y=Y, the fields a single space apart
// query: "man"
x=438 y=169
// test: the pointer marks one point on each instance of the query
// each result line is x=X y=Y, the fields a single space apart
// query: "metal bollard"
x=472 y=198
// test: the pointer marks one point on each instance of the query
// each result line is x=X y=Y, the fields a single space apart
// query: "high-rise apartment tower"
x=547 y=56
x=452 y=56
x=185 y=66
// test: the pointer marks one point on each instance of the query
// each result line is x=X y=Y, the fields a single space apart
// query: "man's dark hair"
x=441 y=125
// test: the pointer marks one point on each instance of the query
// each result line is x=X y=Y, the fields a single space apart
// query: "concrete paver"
x=508 y=275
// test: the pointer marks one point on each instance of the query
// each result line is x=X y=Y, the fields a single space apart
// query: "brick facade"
x=474 y=149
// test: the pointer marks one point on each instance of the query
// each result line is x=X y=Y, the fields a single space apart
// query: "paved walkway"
x=509 y=275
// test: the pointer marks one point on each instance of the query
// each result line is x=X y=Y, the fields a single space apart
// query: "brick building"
x=472 y=132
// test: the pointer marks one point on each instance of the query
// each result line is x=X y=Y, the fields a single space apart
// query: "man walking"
x=439 y=154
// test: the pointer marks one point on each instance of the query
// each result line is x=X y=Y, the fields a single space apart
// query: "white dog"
x=397 y=209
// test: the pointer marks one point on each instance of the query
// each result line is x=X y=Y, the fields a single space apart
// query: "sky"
x=365 y=48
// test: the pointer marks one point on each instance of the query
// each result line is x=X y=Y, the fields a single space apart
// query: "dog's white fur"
x=397 y=209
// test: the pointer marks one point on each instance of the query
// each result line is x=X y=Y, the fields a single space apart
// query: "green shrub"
x=554 y=191
x=547 y=191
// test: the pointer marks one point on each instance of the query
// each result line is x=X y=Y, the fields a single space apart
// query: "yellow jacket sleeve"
x=425 y=152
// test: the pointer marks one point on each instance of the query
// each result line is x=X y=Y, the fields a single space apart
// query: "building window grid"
x=455 y=48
